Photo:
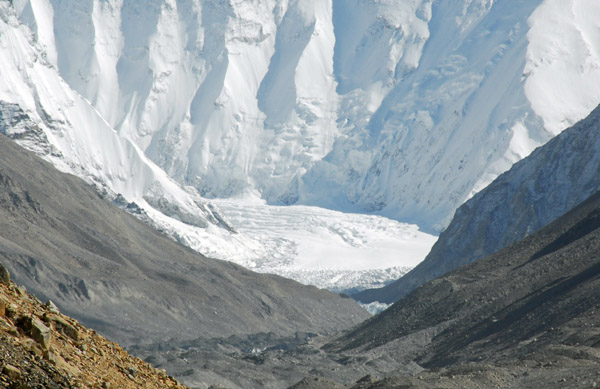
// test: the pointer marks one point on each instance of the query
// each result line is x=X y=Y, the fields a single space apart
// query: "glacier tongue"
x=339 y=251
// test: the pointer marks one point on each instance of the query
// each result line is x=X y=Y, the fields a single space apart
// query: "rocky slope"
x=523 y=317
x=538 y=297
x=42 y=348
x=536 y=191
x=123 y=278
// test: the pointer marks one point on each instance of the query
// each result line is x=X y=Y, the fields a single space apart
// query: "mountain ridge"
x=534 y=192
x=64 y=242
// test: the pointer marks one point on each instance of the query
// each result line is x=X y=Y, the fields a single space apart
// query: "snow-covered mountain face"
x=402 y=108
x=399 y=107
x=44 y=114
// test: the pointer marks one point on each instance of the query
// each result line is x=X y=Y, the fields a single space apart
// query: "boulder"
x=52 y=307
x=36 y=329
x=11 y=372
x=65 y=328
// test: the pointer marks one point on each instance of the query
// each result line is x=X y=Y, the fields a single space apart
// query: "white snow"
x=81 y=142
x=403 y=108
x=563 y=61
x=375 y=307
x=398 y=108
x=326 y=248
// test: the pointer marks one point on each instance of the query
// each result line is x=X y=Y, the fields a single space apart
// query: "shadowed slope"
x=540 y=292
x=112 y=272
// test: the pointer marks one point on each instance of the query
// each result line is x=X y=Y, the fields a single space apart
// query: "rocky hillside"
x=534 y=302
x=41 y=347
x=526 y=317
x=537 y=190
x=116 y=274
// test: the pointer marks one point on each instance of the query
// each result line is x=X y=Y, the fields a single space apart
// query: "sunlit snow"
x=329 y=249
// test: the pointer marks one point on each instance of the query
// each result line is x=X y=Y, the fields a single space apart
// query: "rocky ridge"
x=533 y=304
x=534 y=192
x=42 y=348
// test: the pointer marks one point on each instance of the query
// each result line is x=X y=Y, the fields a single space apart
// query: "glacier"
x=396 y=109
x=342 y=252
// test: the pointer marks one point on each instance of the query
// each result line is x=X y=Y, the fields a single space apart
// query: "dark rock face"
x=537 y=190
x=539 y=293
x=61 y=240
x=525 y=317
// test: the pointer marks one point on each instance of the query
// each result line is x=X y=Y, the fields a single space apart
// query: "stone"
x=49 y=356
x=66 y=328
x=12 y=372
x=4 y=275
x=368 y=379
x=51 y=307
x=11 y=311
x=33 y=347
x=36 y=329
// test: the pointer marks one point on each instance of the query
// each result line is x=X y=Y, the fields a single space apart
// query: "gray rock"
x=65 y=328
x=4 y=275
x=52 y=307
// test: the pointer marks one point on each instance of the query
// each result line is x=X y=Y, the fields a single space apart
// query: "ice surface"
x=375 y=307
x=329 y=249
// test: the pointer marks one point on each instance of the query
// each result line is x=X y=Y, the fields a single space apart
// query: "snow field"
x=329 y=249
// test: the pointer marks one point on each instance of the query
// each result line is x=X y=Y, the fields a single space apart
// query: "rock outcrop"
x=534 y=304
x=40 y=347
